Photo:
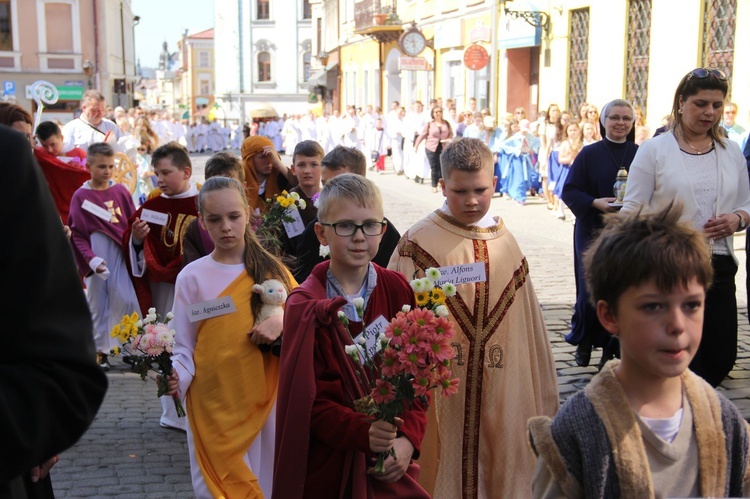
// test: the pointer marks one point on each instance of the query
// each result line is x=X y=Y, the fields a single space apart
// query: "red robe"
x=322 y=445
x=63 y=179
x=163 y=246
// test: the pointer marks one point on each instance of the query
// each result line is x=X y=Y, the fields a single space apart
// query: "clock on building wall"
x=412 y=42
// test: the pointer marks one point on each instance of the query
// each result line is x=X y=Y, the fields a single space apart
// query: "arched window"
x=306 y=59
x=264 y=66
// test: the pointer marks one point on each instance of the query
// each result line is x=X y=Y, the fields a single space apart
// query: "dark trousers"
x=718 y=347
x=434 y=158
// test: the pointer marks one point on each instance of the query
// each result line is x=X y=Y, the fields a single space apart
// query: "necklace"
x=698 y=151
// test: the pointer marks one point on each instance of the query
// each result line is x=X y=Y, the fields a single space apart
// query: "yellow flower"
x=134 y=317
x=438 y=296
x=423 y=297
x=115 y=351
x=115 y=331
x=284 y=193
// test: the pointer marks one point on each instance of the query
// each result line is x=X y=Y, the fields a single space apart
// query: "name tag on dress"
x=154 y=217
x=296 y=227
x=96 y=210
x=371 y=334
x=469 y=273
x=212 y=308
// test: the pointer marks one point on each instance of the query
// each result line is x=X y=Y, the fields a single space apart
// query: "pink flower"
x=422 y=317
x=421 y=383
x=440 y=349
x=389 y=367
x=444 y=327
x=136 y=341
x=149 y=328
x=413 y=338
x=409 y=363
x=449 y=386
x=383 y=393
x=396 y=328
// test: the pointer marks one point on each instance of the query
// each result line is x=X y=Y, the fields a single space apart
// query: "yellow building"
x=540 y=52
x=194 y=81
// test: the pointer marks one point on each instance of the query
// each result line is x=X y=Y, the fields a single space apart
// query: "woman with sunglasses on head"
x=695 y=164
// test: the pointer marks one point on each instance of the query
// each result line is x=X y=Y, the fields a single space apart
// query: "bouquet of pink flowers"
x=148 y=342
x=415 y=355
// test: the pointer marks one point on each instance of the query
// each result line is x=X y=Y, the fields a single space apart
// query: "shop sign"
x=476 y=57
x=413 y=64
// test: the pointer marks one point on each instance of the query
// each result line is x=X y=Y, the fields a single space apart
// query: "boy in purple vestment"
x=99 y=213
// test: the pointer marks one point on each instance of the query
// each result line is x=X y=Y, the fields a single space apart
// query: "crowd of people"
x=275 y=403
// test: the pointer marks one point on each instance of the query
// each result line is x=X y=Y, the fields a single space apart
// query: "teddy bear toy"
x=273 y=296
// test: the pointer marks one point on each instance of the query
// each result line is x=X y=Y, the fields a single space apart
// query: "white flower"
x=352 y=351
x=449 y=289
x=359 y=305
x=406 y=309
x=341 y=315
x=441 y=311
x=324 y=251
x=362 y=341
x=383 y=339
x=315 y=203
x=170 y=316
x=417 y=285
x=152 y=311
x=427 y=283
x=302 y=204
x=433 y=274
x=294 y=196
x=139 y=324
x=149 y=319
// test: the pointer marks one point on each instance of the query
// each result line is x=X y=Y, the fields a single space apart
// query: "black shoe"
x=583 y=355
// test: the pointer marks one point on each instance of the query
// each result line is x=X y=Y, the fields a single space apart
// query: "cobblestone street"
x=126 y=454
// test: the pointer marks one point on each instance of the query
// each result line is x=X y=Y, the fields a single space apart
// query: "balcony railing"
x=365 y=12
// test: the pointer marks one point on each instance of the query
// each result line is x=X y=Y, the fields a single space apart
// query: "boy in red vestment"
x=154 y=240
x=65 y=171
x=324 y=449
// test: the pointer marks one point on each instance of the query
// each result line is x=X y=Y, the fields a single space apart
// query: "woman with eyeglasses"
x=693 y=163
x=436 y=133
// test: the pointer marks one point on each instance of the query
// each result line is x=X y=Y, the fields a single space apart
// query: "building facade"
x=265 y=58
x=194 y=78
x=73 y=44
x=540 y=52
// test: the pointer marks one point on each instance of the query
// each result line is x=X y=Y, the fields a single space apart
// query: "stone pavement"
x=126 y=454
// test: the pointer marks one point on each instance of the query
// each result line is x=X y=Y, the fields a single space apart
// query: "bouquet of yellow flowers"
x=414 y=354
x=278 y=213
x=148 y=342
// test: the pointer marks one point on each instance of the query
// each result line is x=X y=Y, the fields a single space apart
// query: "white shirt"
x=81 y=133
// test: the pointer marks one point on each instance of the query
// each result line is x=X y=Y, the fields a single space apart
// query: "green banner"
x=70 y=92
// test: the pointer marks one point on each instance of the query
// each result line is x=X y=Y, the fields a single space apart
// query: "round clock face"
x=413 y=43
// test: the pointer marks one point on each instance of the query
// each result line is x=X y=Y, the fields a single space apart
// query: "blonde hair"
x=348 y=187
x=259 y=263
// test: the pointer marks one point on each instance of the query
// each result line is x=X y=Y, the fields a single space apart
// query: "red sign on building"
x=476 y=57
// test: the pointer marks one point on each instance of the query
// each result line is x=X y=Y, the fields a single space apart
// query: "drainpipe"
x=96 y=47
x=240 y=20
x=494 y=62
x=122 y=39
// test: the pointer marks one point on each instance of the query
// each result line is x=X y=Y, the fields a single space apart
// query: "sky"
x=165 y=20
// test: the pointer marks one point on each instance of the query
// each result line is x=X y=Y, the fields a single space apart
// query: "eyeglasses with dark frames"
x=348 y=229
x=702 y=73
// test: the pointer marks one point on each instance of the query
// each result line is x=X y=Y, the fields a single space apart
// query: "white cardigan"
x=658 y=175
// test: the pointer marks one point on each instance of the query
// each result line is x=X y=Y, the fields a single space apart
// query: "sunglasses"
x=702 y=73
